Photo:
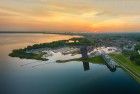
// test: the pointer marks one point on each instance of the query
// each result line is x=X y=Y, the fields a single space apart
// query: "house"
x=129 y=47
x=139 y=52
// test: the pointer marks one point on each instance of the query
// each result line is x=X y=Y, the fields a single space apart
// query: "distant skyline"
x=70 y=15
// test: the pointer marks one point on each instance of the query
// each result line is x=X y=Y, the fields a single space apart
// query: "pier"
x=111 y=64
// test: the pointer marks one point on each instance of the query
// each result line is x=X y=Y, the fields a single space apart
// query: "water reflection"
x=54 y=78
x=111 y=69
x=86 y=66
x=84 y=53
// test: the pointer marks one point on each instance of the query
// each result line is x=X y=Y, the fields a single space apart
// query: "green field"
x=127 y=65
x=95 y=60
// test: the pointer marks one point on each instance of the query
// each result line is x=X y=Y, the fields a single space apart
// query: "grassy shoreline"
x=21 y=53
x=28 y=52
x=129 y=66
x=96 y=59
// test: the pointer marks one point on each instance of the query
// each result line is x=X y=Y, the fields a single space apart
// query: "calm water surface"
x=22 y=76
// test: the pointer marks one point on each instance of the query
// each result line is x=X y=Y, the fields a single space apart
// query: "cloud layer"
x=70 y=15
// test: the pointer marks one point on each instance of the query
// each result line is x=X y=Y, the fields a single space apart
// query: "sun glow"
x=53 y=15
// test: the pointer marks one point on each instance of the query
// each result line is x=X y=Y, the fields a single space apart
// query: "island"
x=112 y=51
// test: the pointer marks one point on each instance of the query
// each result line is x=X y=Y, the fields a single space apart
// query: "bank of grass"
x=96 y=59
x=21 y=53
x=127 y=65
x=62 y=43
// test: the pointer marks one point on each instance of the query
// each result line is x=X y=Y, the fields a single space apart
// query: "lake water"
x=22 y=76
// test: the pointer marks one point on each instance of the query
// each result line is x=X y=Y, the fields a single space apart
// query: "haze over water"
x=22 y=76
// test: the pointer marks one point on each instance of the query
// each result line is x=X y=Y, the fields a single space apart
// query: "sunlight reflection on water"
x=22 y=76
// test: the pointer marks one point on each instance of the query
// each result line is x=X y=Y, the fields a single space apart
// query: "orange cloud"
x=70 y=15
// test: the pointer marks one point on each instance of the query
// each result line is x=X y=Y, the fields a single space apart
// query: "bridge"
x=111 y=64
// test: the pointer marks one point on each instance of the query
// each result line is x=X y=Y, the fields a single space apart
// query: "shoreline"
x=133 y=73
x=36 y=51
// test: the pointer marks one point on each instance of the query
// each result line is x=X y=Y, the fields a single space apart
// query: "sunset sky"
x=70 y=15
